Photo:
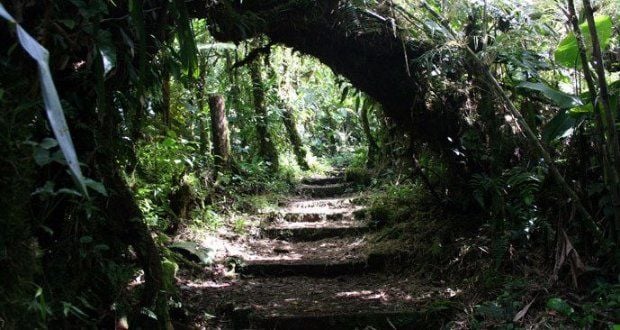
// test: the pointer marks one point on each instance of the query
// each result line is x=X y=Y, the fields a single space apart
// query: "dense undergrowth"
x=510 y=281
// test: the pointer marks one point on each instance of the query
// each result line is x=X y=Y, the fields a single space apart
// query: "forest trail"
x=311 y=268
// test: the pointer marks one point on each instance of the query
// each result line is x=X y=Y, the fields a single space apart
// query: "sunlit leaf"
x=584 y=109
x=217 y=46
x=567 y=53
x=96 y=186
x=108 y=55
x=561 y=126
x=560 y=99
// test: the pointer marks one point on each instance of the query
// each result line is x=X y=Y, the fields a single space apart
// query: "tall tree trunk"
x=165 y=99
x=220 y=133
x=373 y=148
x=124 y=215
x=330 y=133
x=267 y=148
x=128 y=222
x=288 y=117
x=235 y=96
x=293 y=135
x=202 y=125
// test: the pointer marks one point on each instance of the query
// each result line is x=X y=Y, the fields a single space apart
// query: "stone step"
x=362 y=301
x=305 y=268
x=327 y=190
x=327 y=257
x=312 y=231
x=315 y=217
x=309 y=216
x=320 y=203
x=318 y=180
x=246 y=319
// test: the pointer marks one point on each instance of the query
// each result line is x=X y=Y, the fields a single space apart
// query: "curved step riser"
x=323 y=191
x=310 y=270
x=313 y=217
x=323 y=181
x=244 y=319
x=309 y=217
x=312 y=234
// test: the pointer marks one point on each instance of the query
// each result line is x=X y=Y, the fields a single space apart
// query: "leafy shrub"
x=358 y=175
x=395 y=205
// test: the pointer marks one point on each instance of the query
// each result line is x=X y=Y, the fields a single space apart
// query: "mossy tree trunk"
x=165 y=99
x=293 y=135
x=330 y=132
x=266 y=148
x=373 y=148
x=125 y=216
x=202 y=125
x=235 y=98
x=121 y=209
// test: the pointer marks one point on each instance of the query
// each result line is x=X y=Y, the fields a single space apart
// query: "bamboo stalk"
x=600 y=126
x=612 y=133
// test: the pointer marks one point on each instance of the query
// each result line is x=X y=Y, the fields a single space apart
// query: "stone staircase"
x=310 y=270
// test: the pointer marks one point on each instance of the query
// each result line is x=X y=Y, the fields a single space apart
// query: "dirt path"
x=310 y=268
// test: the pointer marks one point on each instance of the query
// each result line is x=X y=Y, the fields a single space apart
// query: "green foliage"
x=561 y=126
x=560 y=306
x=207 y=218
x=240 y=225
x=500 y=312
x=510 y=195
x=560 y=99
x=508 y=201
x=567 y=52
x=395 y=205
x=161 y=163
x=358 y=175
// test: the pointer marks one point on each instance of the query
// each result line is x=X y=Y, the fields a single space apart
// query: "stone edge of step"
x=246 y=317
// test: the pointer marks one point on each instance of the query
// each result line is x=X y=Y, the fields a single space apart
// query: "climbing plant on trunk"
x=266 y=148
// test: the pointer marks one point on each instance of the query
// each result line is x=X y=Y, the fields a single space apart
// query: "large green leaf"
x=584 y=109
x=107 y=51
x=560 y=99
x=185 y=36
x=567 y=53
x=561 y=126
